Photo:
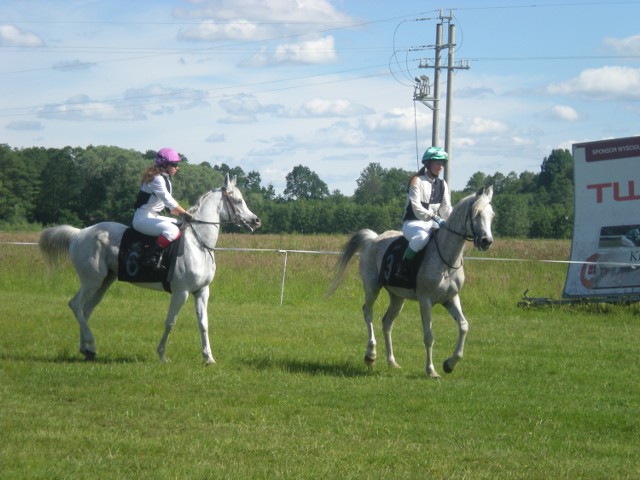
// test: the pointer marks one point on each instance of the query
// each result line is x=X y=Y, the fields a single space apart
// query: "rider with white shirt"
x=427 y=207
x=154 y=196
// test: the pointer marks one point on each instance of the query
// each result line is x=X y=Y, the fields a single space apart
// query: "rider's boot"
x=153 y=258
x=406 y=265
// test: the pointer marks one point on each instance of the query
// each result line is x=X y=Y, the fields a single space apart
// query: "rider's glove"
x=441 y=223
x=187 y=217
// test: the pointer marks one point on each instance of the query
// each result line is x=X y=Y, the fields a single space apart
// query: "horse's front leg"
x=455 y=309
x=202 y=299
x=425 y=313
x=178 y=299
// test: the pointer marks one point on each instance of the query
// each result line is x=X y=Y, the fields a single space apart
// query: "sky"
x=327 y=84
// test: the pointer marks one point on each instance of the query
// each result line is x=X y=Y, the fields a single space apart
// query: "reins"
x=230 y=210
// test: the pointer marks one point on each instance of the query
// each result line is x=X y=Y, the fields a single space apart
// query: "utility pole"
x=423 y=87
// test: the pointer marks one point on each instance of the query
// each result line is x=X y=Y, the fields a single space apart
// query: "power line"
x=139 y=100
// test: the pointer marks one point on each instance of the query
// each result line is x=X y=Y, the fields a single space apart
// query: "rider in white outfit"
x=153 y=197
x=427 y=207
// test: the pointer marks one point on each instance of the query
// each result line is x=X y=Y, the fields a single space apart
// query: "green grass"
x=541 y=393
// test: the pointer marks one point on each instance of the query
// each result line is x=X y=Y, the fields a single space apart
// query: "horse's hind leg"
x=455 y=309
x=178 y=299
x=395 y=307
x=93 y=286
x=367 y=309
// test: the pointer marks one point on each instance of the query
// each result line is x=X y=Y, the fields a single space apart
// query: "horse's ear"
x=488 y=191
x=229 y=182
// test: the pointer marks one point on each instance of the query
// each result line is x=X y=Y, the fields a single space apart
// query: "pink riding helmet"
x=167 y=156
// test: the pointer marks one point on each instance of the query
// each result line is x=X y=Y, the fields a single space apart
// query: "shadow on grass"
x=341 y=369
x=70 y=358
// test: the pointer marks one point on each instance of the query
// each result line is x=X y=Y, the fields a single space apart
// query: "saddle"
x=133 y=248
x=391 y=260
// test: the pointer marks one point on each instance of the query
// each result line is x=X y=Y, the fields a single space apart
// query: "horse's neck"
x=208 y=212
x=450 y=246
x=451 y=240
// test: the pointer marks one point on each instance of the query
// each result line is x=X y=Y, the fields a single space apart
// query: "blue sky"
x=268 y=85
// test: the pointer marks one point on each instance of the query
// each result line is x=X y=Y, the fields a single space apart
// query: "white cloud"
x=606 y=83
x=480 y=126
x=81 y=107
x=629 y=45
x=11 y=36
x=157 y=98
x=320 y=51
x=244 y=108
x=321 y=107
x=211 y=31
x=563 y=112
x=396 y=120
x=136 y=104
x=274 y=11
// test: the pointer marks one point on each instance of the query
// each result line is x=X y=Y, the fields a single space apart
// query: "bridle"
x=474 y=236
x=234 y=219
x=465 y=235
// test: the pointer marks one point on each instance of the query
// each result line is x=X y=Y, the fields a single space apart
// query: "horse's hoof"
x=446 y=367
x=369 y=361
x=89 y=356
x=393 y=364
x=209 y=361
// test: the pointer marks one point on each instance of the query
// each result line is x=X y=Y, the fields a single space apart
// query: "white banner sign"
x=606 y=229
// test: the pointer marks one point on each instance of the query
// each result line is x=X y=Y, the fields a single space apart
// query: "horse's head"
x=235 y=207
x=481 y=216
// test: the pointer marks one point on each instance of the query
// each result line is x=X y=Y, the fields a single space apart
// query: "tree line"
x=82 y=186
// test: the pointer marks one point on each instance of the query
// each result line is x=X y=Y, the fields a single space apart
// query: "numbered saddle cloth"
x=133 y=247
x=391 y=261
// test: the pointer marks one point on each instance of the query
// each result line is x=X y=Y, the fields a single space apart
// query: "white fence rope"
x=320 y=252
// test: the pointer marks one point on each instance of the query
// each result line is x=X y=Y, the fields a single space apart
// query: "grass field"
x=542 y=393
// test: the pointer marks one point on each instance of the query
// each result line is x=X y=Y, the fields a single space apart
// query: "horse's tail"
x=54 y=243
x=357 y=242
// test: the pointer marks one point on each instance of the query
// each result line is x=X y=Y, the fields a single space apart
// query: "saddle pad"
x=133 y=247
x=391 y=260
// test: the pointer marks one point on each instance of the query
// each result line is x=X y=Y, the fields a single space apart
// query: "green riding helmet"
x=435 y=154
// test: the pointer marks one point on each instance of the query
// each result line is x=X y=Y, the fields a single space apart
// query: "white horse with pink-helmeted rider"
x=93 y=251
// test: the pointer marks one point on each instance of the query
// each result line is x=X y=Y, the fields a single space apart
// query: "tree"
x=558 y=165
x=370 y=189
x=476 y=182
x=302 y=183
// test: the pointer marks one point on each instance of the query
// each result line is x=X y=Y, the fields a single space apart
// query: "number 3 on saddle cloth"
x=391 y=260
x=133 y=248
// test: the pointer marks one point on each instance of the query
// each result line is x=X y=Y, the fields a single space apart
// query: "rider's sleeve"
x=160 y=190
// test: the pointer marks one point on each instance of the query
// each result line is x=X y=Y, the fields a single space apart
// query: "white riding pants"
x=151 y=223
x=418 y=233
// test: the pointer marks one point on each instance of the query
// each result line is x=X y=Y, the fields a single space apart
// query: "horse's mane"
x=201 y=201
x=474 y=202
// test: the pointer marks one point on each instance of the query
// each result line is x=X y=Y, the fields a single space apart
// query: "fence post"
x=284 y=272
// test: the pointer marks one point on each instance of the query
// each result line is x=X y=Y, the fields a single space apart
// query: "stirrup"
x=159 y=266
